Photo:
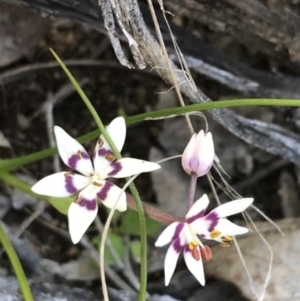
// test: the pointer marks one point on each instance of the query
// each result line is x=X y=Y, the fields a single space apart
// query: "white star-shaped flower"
x=91 y=184
x=185 y=236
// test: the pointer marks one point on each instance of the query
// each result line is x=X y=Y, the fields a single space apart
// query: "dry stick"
x=120 y=265
x=102 y=245
x=114 y=254
x=39 y=209
x=163 y=47
x=234 y=239
x=267 y=279
x=134 y=47
x=109 y=24
x=232 y=193
x=50 y=125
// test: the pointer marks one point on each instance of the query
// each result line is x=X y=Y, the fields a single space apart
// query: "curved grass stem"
x=15 y=262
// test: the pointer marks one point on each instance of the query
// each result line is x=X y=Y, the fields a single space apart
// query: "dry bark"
x=271 y=138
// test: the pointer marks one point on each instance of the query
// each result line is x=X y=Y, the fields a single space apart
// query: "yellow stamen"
x=68 y=174
x=100 y=142
x=78 y=200
x=193 y=244
x=215 y=234
x=228 y=239
x=110 y=157
x=97 y=184
x=225 y=244
x=79 y=154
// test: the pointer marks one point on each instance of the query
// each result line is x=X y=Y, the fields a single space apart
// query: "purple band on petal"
x=72 y=162
x=176 y=245
x=187 y=249
x=213 y=218
x=69 y=185
x=178 y=230
x=194 y=217
x=90 y=205
x=116 y=168
x=102 y=152
x=102 y=194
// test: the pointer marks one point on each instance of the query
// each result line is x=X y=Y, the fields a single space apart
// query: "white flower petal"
x=207 y=150
x=126 y=167
x=171 y=261
x=198 y=209
x=169 y=234
x=109 y=194
x=201 y=226
x=227 y=228
x=82 y=214
x=103 y=155
x=72 y=152
x=187 y=154
x=195 y=266
x=232 y=207
x=117 y=132
x=61 y=184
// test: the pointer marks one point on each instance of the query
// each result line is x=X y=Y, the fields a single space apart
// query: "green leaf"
x=130 y=221
x=117 y=243
x=135 y=250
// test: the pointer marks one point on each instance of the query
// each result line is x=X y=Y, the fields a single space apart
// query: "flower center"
x=95 y=180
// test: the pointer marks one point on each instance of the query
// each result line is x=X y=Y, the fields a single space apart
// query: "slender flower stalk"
x=91 y=185
x=198 y=156
x=192 y=189
x=186 y=236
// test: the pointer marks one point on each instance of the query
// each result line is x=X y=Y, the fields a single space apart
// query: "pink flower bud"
x=198 y=156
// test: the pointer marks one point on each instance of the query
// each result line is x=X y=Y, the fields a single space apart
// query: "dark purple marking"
x=69 y=184
x=90 y=205
x=187 y=249
x=176 y=245
x=102 y=152
x=213 y=219
x=117 y=167
x=72 y=162
x=194 y=217
x=102 y=194
x=178 y=230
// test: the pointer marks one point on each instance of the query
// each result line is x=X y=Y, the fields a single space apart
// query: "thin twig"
x=48 y=109
x=112 y=251
x=165 y=53
x=39 y=209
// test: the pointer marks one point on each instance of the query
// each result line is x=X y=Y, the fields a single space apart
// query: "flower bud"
x=198 y=156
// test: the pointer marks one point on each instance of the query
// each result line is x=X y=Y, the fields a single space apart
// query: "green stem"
x=141 y=213
x=11 y=164
x=15 y=262
x=61 y=204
